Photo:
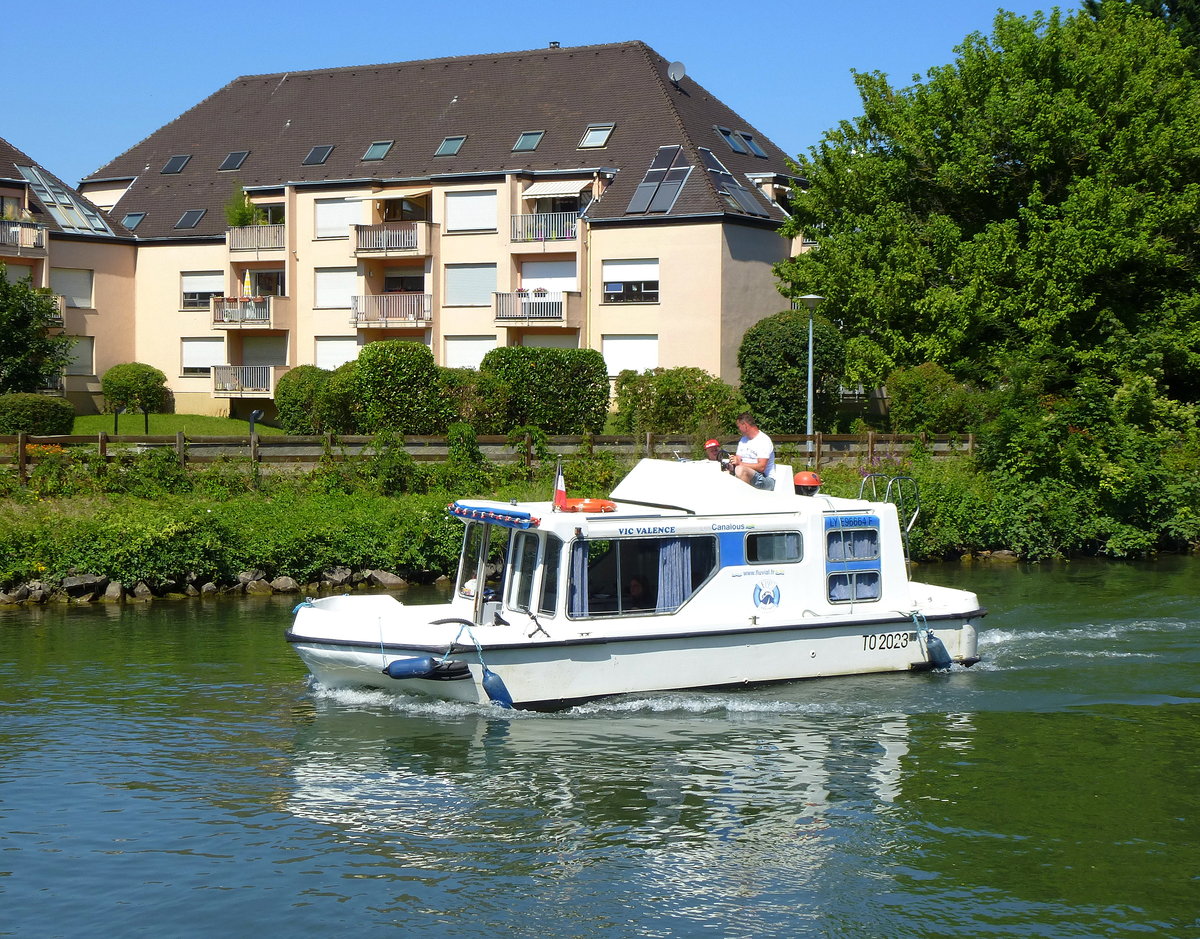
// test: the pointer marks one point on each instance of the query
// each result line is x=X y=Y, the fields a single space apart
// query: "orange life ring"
x=590 y=505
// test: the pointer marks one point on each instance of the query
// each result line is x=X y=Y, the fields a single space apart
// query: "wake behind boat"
x=686 y=578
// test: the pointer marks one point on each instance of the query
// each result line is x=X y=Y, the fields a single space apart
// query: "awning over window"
x=555 y=187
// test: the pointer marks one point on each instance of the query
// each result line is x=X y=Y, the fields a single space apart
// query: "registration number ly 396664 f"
x=883 y=641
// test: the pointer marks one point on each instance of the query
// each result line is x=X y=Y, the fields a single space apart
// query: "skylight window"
x=450 y=146
x=378 y=150
x=528 y=140
x=662 y=183
x=133 y=219
x=70 y=212
x=736 y=195
x=235 y=160
x=752 y=144
x=316 y=156
x=734 y=141
x=190 y=218
x=596 y=135
x=176 y=164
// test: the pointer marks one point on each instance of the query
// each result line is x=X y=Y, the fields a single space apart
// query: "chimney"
x=553 y=44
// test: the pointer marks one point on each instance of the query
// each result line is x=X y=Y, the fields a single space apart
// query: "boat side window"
x=485 y=548
x=550 y=567
x=852 y=544
x=853 y=585
x=520 y=584
x=774 y=547
x=631 y=576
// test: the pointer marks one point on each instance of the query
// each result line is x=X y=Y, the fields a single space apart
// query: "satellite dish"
x=676 y=71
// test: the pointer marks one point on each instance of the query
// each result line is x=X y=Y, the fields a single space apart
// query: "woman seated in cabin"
x=637 y=595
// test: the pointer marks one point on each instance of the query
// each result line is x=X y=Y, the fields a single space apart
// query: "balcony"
x=236 y=312
x=22 y=239
x=391 y=310
x=532 y=308
x=392 y=240
x=545 y=226
x=246 y=381
x=261 y=239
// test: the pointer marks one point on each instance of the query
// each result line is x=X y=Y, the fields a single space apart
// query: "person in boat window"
x=713 y=451
x=806 y=483
x=754 y=461
x=639 y=596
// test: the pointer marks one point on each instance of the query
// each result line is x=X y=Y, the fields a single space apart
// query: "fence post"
x=970 y=444
x=180 y=449
x=817 y=447
x=528 y=455
x=649 y=446
x=102 y=446
x=870 y=447
x=21 y=439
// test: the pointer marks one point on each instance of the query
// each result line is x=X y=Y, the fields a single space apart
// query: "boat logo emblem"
x=766 y=594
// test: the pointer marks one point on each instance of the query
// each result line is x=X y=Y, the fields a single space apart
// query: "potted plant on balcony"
x=539 y=291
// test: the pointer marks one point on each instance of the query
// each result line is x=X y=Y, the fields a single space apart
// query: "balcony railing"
x=392 y=239
x=537 y=306
x=242 y=311
x=545 y=226
x=22 y=235
x=60 y=306
x=391 y=309
x=255 y=237
x=246 y=381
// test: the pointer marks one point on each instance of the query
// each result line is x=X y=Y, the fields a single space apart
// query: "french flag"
x=560 y=489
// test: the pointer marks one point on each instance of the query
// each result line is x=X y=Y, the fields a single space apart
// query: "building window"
x=198 y=356
x=449 y=146
x=256 y=283
x=752 y=144
x=734 y=141
x=629 y=353
x=596 y=135
x=334 y=217
x=235 y=160
x=378 y=150
x=73 y=284
x=175 y=164
x=199 y=287
x=190 y=218
x=334 y=286
x=470 y=284
x=333 y=351
x=404 y=283
x=83 y=351
x=471 y=211
x=133 y=219
x=632 y=281
x=317 y=156
x=528 y=140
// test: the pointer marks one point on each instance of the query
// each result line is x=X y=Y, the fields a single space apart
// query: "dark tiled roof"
x=489 y=98
x=11 y=158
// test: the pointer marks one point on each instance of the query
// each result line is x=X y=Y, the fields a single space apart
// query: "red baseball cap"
x=711 y=443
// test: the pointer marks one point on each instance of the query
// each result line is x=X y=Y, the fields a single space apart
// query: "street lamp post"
x=811 y=301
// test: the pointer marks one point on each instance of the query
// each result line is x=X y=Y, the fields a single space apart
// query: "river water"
x=167 y=770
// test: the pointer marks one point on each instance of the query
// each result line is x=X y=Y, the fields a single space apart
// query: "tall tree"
x=1036 y=200
x=1181 y=16
x=31 y=357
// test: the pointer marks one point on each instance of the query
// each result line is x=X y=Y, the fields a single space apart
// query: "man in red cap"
x=713 y=451
x=806 y=483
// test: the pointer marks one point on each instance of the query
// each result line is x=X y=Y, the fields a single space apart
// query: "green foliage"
x=296 y=396
x=31 y=357
x=683 y=400
x=927 y=399
x=198 y=425
x=339 y=406
x=773 y=359
x=481 y=399
x=239 y=211
x=400 y=389
x=135 y=386
x=40 y=415
x=562 y=391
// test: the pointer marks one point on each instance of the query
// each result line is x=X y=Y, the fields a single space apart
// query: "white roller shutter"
x=467 y=351
x=625 y=271
x=471 y=211
x=553 y=275
x=15 y=273
x=75 y=285
x=332 y=351
x=264 y=350
x=470 y=284
x=335 y=216
x=629 y=352
x=333 y=287
x=202 y=353
x=203 y=282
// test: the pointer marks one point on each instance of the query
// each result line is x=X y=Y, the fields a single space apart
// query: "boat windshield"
x=482 y=567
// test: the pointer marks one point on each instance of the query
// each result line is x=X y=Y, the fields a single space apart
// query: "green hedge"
x=562 y=391
x=41 y=415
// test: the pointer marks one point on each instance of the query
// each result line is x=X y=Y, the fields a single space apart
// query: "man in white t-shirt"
x=754 y=461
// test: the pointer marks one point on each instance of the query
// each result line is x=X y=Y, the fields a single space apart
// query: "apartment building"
x=592 y=197
x=61 y=244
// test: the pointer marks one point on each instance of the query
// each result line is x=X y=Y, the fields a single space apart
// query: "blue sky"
x=88 y=80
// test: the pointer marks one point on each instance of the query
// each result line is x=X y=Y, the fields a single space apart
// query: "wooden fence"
x=24 y=451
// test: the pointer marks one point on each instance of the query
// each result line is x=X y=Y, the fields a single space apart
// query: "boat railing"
x=903 y=492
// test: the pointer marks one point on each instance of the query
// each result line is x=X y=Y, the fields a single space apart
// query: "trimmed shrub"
x=41 y=415
x=339 y=405
x=400 y=389
x=684 y=400
x=296 y=395
x=927 y=399
x=562 y=391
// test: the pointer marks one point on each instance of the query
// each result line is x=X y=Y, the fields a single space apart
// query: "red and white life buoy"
x=590 y=505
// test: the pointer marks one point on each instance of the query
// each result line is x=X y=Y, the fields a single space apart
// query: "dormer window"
x=596 y=135
x=175 y=164
x=317 y=156
x=528 y=140
x=190 y=218
x=378 y=150
x=450 y=146
x=235 y=160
